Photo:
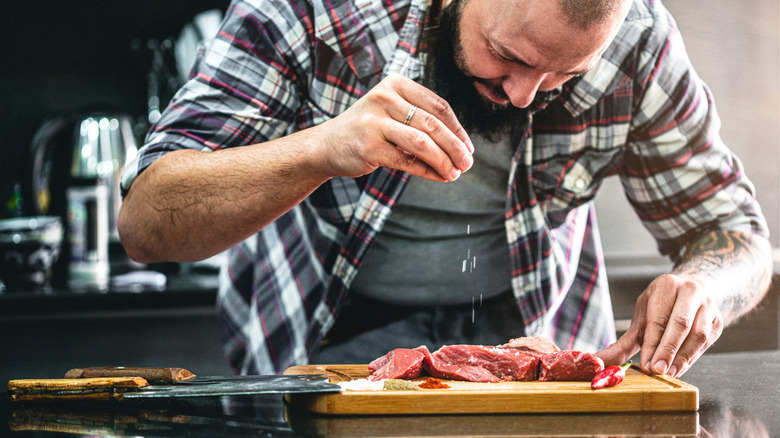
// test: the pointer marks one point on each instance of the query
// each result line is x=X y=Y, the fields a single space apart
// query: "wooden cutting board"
x=637 y=393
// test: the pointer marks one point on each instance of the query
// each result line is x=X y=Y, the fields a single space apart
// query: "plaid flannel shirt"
x=280 y=66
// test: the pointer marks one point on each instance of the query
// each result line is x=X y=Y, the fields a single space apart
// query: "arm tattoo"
x=740 y=262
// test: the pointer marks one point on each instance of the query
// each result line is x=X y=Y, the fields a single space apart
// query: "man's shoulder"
x=645 y=19
x=628 y=60
x=641 y=38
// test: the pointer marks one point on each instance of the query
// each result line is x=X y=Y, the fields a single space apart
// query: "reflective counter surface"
x=739 y=396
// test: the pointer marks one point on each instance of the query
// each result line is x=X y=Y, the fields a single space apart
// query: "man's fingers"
x=621 y=351
x=423 y=110
x=707 y=327
x=452 y=146
x=660 y=302
x=678 y=327
x=433 y=105
x=412 y=150
x=682 y=322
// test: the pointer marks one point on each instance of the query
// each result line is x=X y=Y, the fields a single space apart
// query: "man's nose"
x=522 y=88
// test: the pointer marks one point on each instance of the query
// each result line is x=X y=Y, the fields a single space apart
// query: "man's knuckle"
x=392 y=78
x=683 y=322
x=685 y=356
x=665 y=281
x=700 y=336
x=717 y=325
x=441 y=106
x=380 y=97
x=668 y=349
x=419 y=141
x=660 y=323
x=429 y=124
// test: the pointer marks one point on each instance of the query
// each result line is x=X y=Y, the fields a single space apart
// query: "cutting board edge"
x=441 y=402
x=679 y=397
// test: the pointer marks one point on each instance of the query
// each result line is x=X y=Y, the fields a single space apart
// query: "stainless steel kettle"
x=77 y=163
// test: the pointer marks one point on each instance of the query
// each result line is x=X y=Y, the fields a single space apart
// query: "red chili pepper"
x=610 y=376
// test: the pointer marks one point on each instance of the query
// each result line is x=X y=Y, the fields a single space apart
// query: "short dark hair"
x=587 y=13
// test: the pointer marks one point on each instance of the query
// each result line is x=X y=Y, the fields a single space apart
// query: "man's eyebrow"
x=501 y=50
x=506 y=54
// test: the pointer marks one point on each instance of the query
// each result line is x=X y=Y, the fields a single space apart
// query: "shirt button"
x=580 y=184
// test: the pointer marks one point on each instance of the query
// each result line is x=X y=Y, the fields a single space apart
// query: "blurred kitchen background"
x=85 y=79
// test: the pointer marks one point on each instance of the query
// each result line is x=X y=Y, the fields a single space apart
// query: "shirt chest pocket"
x=564 y=183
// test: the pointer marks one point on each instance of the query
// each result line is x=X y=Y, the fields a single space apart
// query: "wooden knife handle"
x=170 y=375
x=73 y=389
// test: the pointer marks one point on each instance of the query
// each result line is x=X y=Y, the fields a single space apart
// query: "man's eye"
x=496 y=54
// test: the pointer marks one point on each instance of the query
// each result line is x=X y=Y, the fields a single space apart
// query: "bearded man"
x=391 y=174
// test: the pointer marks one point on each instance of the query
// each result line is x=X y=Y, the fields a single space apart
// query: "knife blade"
x=239 y=385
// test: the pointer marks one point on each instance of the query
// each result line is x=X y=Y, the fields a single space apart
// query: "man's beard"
x=444 y=75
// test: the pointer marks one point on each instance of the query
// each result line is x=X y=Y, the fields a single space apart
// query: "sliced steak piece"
x=481 y=363
x=532 y=344
x=401 y=363
x=569 y=365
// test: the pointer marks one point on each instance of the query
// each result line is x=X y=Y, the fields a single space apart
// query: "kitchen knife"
x=181 y=376
x=128 y=383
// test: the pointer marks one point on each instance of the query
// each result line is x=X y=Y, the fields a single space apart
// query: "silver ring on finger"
x=410 y=114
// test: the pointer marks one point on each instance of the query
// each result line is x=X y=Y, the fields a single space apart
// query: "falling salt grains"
x=470 y=263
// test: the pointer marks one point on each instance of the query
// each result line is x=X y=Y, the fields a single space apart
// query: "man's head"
x=490 y=58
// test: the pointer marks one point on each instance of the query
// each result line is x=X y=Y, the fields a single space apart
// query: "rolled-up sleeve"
x=243 y=89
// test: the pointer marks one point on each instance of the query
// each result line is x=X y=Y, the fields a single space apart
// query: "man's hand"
x=225 y=196
x=680 y=315
x=383 y=129
x=675 y=320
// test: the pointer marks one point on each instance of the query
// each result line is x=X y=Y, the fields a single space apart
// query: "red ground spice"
x=433 y=383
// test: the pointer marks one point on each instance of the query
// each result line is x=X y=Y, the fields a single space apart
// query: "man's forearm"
x=739 y=264
x=190 y=205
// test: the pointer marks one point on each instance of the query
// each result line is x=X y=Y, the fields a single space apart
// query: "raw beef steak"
x=568 y=365
x=532 y=344
x=480 y=363
x=401 y=363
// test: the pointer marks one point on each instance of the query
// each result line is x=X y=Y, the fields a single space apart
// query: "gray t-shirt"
x=445 y=243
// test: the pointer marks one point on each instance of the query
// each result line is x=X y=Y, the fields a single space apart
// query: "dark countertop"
x=182 y=289
x=43 y=333
x=739 y=397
